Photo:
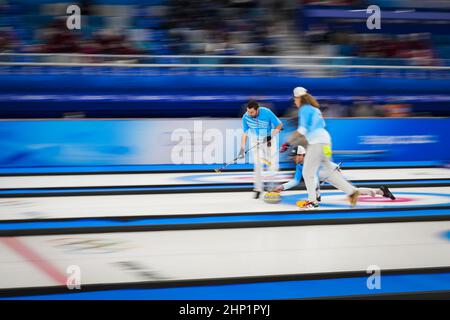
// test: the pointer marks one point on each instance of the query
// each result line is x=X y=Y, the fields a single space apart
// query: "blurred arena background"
x=110 y=133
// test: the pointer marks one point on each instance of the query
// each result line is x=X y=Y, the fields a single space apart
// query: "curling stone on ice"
x=272 y=197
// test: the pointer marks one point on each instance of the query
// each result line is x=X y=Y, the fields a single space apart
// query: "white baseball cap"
x=298 y=150
x=300 y=91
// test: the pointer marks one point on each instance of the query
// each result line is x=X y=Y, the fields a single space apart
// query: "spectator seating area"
x=216 y=27
x=338 y=28
x=138 y=27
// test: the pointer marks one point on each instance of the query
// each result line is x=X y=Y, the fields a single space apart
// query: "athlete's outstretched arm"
x=245 y=128
x=243 y=141
x=293 y=182
x=276 y=130
x=302 y=127
x=276 y=122
x=297 y=139
x=299 y=134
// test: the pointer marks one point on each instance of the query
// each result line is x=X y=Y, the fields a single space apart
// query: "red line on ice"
x=32 y=257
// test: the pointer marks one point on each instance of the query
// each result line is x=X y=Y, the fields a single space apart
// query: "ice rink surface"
x=157 y=179
x=225 y=253
x=123 y=259
x=183 y=204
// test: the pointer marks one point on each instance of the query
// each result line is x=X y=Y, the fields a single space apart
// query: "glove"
x=268 y=140
x=241 y=153
x=284 y=147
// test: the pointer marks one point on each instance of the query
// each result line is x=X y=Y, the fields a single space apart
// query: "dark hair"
x=252 y=104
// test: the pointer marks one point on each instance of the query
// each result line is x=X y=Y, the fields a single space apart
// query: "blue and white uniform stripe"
x=262 y=125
